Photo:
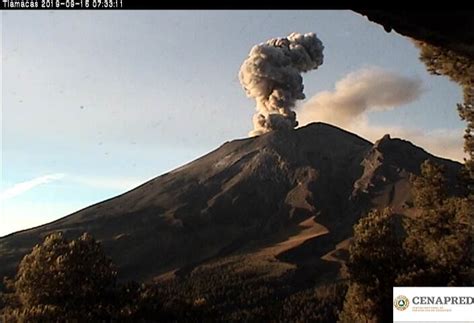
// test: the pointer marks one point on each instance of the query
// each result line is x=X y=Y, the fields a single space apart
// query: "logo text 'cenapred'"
x=435 y=304
x=446 y=300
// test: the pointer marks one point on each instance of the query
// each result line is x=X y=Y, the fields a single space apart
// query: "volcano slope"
x=280 y=204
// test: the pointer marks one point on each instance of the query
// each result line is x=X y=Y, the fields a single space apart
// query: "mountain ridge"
x=252 y=197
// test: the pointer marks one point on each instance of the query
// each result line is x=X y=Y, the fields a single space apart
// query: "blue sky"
x=103 y=101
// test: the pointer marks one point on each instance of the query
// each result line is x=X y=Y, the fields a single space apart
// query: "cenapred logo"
x=401 y=303
x=433 y=304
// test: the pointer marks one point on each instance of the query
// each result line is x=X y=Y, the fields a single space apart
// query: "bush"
x=74 y=281
x=63 y=280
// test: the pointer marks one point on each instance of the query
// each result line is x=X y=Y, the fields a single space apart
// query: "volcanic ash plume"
x=272 y=75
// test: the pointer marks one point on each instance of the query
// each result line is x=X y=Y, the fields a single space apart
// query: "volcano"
x=283 y=201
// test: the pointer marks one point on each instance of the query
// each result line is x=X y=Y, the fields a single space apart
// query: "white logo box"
x=434 y=304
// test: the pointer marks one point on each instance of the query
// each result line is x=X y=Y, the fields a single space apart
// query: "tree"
x=429 y=190
x=460 y=69
x=375 y=253
x=433 y=249
x=61 y=280
x=466 y=112
x=439 y=234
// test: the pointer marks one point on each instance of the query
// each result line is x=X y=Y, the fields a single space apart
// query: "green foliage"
x=319 y=304
x=439 y=234
x=226 y=295
x=460 y=69
x=65 y=273
x=358 y=308
x=435 y=249
x=61 y=279
x=74 y=281
x=141 y=302
x=442 y=61
x=429 y=188
x=375 y=255
x=466 y=112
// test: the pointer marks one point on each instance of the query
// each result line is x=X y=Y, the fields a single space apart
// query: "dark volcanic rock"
x=450 y=29
x=245 y=195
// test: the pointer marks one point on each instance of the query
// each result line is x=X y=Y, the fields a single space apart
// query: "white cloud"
x=32 y=212
x=359 y=92
x=375 y=89
x=23 y=187
x=110 y=183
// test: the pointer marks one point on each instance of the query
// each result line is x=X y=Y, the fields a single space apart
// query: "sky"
x=96 y=103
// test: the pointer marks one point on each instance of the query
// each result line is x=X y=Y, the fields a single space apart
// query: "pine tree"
x=375 y=255
x=435 y=249
x=438 y=235
x=460 y=69
x=74 y=281
x=61 y=280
